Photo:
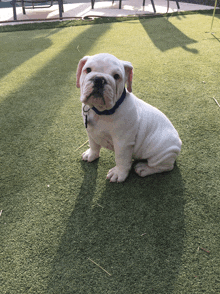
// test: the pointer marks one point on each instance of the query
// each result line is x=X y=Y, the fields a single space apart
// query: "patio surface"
x=75 y=8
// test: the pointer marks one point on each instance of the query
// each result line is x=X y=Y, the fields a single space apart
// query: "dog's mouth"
x=97 y=96
x=98 y=90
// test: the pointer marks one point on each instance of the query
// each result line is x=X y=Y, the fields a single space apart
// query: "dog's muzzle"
x=98 y=88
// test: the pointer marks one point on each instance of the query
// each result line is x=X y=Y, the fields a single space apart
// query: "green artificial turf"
x=60 y=214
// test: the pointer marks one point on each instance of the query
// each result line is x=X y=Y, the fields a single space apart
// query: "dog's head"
x=101 y=79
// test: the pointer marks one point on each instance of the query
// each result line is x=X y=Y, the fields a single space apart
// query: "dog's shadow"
x=135 y=232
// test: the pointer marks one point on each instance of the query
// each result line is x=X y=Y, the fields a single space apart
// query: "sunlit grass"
x=58 y=211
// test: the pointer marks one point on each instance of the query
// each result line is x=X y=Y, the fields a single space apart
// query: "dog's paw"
x=116 y=175
x=90 y=155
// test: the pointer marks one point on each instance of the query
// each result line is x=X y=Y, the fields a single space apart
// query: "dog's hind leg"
x=143 y=169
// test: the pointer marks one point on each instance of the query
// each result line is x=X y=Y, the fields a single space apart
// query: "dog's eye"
x=88 y=70
x=116 y=77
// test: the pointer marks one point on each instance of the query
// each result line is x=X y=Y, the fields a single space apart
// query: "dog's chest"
x=98 y=127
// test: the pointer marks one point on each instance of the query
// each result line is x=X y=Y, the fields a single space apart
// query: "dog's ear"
x=128 y=75
x=79 y=69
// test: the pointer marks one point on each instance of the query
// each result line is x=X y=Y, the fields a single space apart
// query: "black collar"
x=112 y=110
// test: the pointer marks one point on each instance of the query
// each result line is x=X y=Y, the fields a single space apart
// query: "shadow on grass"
x=135 y=233
x=16 y=52
x=216 y=38
x=27 y=113
x=28 y=151
x=166 y=36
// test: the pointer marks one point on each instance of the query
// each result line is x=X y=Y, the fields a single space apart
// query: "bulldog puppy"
x=117 y=120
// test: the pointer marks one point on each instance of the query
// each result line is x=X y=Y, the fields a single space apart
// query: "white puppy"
x=116 y=119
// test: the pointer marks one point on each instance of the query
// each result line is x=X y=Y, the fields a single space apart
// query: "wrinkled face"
x=102 y=80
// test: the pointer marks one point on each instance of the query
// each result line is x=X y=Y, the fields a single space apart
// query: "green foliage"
x=58 y=211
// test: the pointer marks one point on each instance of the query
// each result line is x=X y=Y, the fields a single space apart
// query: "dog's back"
x=156 y=136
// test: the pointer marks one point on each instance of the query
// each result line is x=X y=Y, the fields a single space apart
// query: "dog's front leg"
x=123 y=159
x=93 y=152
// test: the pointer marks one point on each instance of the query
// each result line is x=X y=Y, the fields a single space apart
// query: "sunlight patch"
x=23 y=73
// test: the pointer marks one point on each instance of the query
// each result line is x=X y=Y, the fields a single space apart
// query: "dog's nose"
x=99 y=82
